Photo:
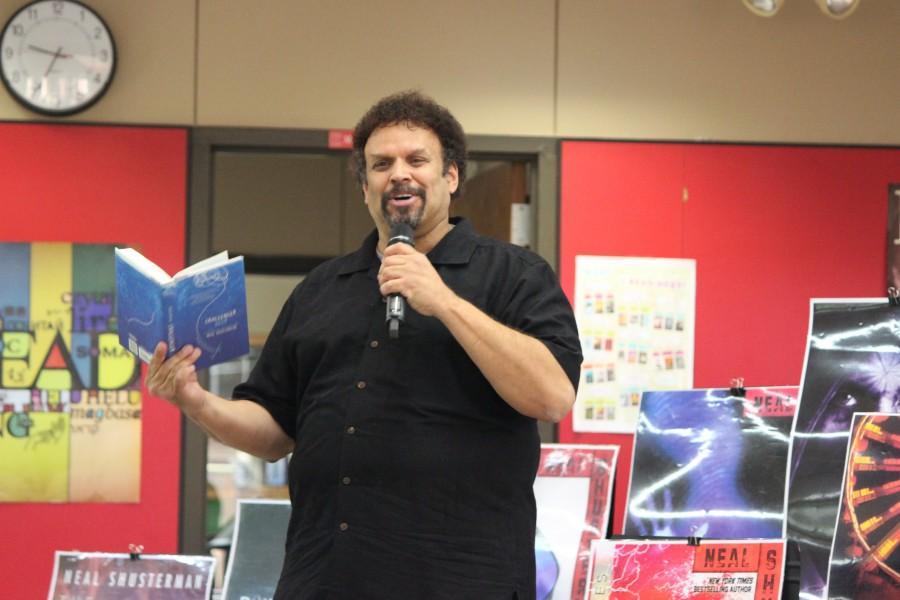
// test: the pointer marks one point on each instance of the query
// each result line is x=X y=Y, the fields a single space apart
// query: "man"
x=413 y=458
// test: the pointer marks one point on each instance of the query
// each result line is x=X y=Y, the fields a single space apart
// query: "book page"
x=206 y=263
x=143 y=265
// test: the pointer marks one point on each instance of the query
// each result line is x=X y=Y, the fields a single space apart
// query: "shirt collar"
x=455 y=248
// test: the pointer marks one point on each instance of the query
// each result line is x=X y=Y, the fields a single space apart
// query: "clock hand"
x=56 y=55
x=45 y=51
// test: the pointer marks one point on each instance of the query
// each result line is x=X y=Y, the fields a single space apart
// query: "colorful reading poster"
x=573 y=490
x=257 y=549
x=102 y=576
x=852 y=365
x=712 y=465
x=865 y=558
x=636 y=321
x=70 y=401
x=675 y=570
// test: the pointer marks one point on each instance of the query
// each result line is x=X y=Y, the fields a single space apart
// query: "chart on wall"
x=636 y=321
x=572 y=489
x=697 y=464
x=865 y=558
x=70 y=401
x=852 y=365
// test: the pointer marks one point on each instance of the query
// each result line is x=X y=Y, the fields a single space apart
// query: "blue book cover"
x=204 y=305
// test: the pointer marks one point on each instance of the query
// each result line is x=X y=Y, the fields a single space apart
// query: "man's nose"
x=399 y=171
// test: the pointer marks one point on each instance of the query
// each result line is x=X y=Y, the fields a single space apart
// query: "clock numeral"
x=98 y=78
x=98 y=33
x=8 y=52
x=58 y=8
x=104 y=55
x=32 y=13
x=18 y=29
x=16 y=77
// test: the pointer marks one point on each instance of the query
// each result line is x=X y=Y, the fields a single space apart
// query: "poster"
x=865 y=558
x=636 y=322
x=852 y=365
x=711 y=465
x=572 y=490
x=103 y=576
x=257 y=549
x=674 y=570
x=70 y=401
x=893 y=237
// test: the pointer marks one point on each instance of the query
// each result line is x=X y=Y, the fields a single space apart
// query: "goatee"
x=411 y=215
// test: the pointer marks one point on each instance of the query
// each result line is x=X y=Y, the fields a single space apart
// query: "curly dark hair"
x=414 y=108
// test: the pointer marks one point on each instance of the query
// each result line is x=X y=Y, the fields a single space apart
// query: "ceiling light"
x=838 y=9
x=764 y=8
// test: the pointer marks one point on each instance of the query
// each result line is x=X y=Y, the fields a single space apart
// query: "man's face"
x=405 y=181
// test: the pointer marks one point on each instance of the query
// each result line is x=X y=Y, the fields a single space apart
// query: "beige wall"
x=642 y=69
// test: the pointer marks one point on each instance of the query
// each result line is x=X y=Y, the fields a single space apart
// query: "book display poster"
x=572 y=489
x=106 y=576
x=636 y=321
x=865 y=558
x=675 y=570
x=709 y=464
x=893 y=236
x=852 y=365
x=257 y=549
x=70 y=396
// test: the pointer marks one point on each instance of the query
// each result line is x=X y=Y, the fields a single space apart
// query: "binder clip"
x=893 y=296
x=134 y=551
x=737 y=388
x=693 y=540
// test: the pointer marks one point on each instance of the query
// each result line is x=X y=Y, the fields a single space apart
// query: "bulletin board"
x=769 y=226
x=97 y=185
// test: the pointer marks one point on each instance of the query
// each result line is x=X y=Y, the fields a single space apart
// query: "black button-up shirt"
x=411 y=478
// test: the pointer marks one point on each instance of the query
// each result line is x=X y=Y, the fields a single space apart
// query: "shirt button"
x=345 y=481
x=360 y=385
x=351 y=430
x=373 y=344
x=343 y=527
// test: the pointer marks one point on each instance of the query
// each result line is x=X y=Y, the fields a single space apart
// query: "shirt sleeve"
x=273 y=381
x=538 y=307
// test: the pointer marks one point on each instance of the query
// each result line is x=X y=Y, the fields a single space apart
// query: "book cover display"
x=636 y=321
x=852 y=365
x=675 y=570
x=697 y=461
x=572 y=489
x=70 y=396
x=109 y=576
x=204 y=305
x=865 y=558
x=257 y=549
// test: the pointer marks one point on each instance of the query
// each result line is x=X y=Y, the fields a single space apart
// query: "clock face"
x=57 y=56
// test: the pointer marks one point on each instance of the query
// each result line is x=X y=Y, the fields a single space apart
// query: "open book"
x=204 y=305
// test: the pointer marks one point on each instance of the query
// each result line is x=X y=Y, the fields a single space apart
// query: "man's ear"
x=452 y=176
x=365 y=190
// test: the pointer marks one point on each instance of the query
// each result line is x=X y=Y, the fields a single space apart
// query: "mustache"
x=402 y=189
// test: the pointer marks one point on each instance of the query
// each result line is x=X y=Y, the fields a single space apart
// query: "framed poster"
x=865 y=558
x=572 y=490
x=108 y=576
x=852 y=365
x=697 y=463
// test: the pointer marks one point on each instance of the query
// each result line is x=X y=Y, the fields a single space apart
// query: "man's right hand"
x=175 y=379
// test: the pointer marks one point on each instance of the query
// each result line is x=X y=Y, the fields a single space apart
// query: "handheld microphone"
x=401 y=233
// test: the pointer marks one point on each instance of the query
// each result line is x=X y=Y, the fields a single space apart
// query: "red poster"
x=675 y=570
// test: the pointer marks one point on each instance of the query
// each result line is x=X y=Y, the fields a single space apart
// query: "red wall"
x=769 y=226
x=96 y=185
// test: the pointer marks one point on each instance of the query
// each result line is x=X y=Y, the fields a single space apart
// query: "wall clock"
x=57 y=57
